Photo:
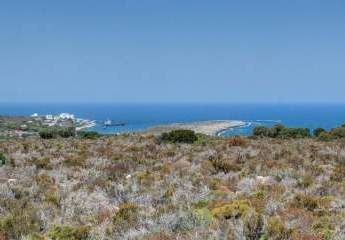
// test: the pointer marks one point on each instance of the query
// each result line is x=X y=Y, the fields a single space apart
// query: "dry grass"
x=131 y=187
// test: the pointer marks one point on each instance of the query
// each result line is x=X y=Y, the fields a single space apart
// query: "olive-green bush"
x=49 y=133
x=66 y=232
x=279 y=131
x=179 y=136
x=89 y=134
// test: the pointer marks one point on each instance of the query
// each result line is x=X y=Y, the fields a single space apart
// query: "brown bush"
x=221 y=164
x=237 y=141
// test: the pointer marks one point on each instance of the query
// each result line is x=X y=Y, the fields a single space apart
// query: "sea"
x=139 y=116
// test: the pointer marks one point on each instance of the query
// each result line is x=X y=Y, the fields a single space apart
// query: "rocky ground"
x=131 y=187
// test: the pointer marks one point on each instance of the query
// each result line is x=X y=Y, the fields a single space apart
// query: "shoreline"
x=211 y=128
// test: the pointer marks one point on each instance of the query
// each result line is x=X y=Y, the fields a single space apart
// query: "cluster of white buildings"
x=58 y=120
x=61 y=116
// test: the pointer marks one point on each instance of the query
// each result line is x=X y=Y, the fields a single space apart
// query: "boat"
x=110 y=123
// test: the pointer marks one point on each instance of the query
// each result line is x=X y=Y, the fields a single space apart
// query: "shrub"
x=276 y=230
x=232 y=209
x=253 y=225
x=64 y=232
x=47 y=134
x=40 y=163
x=318 y=131
x=2 y=159
x=324 y=137
x=179 y=136
x=237 y=141
x=66 y=132
x=294 y=133
x=20 y=222
x=338 y=174
x=275 y=130
x=89 y=134
x=338 y=132
x=35 y=236
x=307 y=202
x=261 y=131
x=281 y=131
x=127 y=216
x=224 y=165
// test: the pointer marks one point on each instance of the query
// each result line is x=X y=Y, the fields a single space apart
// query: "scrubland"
x=135 y=187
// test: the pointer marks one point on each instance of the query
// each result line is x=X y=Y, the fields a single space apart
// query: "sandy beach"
x=212 y=128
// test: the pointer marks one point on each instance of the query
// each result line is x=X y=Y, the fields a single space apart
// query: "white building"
x=66 y=116
x=49 y=117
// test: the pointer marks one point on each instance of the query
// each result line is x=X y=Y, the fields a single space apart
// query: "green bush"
x=66 y=132
x=180 y=136
x=2 y=159
x=275 y=130
x=338 y=132
x=294 y=133
x=64 y=232
x=261 y=131
x=318 y=131
x=281 y=132
x=89 y=134
x=49 y=133
x=324 y=137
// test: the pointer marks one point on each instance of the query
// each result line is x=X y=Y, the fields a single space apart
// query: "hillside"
x=135 y=187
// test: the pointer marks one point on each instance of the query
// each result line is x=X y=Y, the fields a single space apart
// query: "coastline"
x=86 y=124
x=211 y=128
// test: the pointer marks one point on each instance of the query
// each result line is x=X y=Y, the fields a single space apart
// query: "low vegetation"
x=179 y=136
x=282 y=184
x=89 y=134
x=54 y=132
x=279 y=131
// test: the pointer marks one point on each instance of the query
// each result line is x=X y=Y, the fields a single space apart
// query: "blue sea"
x=141 y=116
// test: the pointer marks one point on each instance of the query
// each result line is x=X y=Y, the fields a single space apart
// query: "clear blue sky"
x=172 y=51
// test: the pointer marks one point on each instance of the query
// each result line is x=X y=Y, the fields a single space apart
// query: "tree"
x=275 y=130
x=318 y=131
x=295 y=133
x=261 y=131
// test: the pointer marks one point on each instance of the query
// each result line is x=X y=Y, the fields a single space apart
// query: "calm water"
x=140 y=116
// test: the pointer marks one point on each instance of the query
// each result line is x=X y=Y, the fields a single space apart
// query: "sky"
x=172 y=51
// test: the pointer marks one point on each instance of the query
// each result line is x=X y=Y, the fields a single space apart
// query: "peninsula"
x=211 y=128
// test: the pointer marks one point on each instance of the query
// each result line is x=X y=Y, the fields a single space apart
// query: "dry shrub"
x=41 y=163
x=158 y=236
x=276 y=230
x=338 y=174
x=221 y=164
x=308 y=237
x=304 y=201
x=44 y=181
x=127 y=216
x=75 y=161
x=114 y=171
x=237 y=141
